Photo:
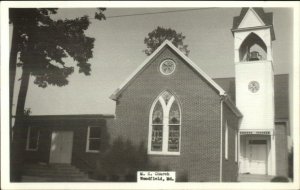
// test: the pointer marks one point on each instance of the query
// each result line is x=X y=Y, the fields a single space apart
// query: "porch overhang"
x=256 y=132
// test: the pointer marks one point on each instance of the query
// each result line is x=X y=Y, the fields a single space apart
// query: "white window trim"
x=161 y=64
x=88 y=141
x=166 y=109
x=226 y=141
x=27 y=141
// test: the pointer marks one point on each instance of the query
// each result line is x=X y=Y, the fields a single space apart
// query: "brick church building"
x=209 y=129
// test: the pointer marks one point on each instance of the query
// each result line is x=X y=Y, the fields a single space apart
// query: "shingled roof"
x=267 y=18
x=281 y=93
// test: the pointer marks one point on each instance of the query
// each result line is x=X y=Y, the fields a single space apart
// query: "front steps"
x=53 y=173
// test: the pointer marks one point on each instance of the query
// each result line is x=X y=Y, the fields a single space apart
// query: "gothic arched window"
x=253 y=48
x=165 y=122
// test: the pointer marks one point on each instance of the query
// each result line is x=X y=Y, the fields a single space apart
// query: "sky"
x=119 y=42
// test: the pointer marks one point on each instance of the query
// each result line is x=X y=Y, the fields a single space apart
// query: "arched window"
x=165 y=122
x=253 y=48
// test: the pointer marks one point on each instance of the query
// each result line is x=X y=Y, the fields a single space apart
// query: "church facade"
x=208 y=129
x=186 y=119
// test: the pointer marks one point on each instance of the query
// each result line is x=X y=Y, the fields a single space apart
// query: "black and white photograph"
x=162 y=96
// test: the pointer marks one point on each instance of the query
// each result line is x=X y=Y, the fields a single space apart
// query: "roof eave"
x=251 y=28
x=255 y=28
x=202 y=73
x=115 y=94
x=232 y=106
x=118 y=91
x=68 y=116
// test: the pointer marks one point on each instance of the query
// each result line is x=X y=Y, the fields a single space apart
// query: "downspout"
x=221 y=143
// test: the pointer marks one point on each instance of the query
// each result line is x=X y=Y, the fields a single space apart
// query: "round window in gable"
x=167 y=67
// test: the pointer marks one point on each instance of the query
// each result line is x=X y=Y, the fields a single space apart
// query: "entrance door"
x=257 y=155
x=61 y=147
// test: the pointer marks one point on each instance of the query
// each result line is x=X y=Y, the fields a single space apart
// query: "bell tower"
x=254 y=76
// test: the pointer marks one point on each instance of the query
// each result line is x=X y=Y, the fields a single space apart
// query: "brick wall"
x=200 y=105
x=281 y=149
x=230 y=167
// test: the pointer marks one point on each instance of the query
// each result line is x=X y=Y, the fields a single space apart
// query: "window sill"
x=32 y=150
x=164 y=153
x=92 y=151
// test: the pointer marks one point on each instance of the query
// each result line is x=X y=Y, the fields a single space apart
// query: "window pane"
x=94 y=144
x=174 y=135
x=33 y=143
x=157 y=117
x=174 y=116
x=33 y=138
x=95 y=132
x=157 y=133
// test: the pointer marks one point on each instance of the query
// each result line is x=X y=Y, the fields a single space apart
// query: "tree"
x=159 y=35
x=41 y=44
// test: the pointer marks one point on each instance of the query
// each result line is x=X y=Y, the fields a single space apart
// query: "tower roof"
x=266 y=18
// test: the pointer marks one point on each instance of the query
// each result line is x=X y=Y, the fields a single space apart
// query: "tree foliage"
x=43 y=44
x=159 y=35
x=122 y=160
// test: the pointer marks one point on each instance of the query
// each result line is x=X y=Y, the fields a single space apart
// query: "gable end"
x=128 y=81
